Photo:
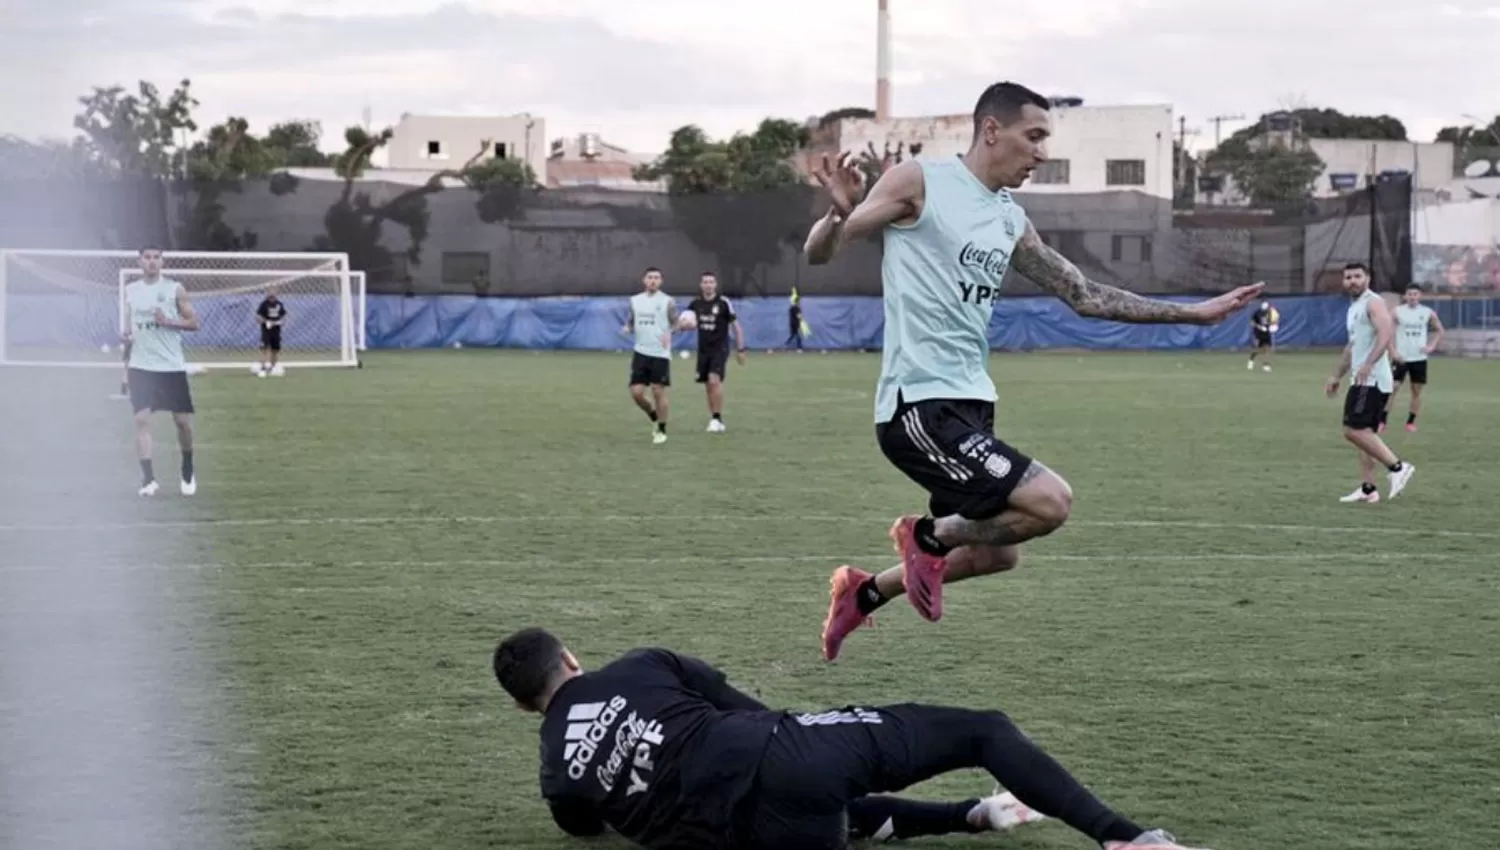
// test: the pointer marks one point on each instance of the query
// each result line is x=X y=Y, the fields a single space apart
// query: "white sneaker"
x=148 y=489
x=716 y=426
x=190 y=487
x=1400 y=479
x=278 y=371
x=1002 y=811
x=1266 y=368
x=1361 y=496
x=1159 y=839
x=658 y=437
x=1250 y=366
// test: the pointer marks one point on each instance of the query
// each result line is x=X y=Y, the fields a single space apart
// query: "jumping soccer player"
x=663 y=749
x=1413 y=322
x=1368 y=354
x=270 y=316
x=716 y=318
x=1264 y=323
x=160 y=312
x=653 y=314
x=951 y=231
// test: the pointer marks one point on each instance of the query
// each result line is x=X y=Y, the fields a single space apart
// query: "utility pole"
x=1218 y=121
x=1180 y=171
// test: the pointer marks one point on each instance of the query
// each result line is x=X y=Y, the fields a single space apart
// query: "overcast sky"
x=634 y=69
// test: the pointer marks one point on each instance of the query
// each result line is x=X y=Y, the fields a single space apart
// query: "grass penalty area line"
x=532 y=519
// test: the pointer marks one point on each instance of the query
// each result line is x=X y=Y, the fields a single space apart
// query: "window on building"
x=1130 y=249
x=501 y=150
x=463 y=268
x=1053 y=172
x=1125 y=172
x=434 y=150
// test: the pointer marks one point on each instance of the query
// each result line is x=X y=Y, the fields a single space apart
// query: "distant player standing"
x=159 y=312
x=1264 y=323
x=1414 y=320
x=1368 y=354
x=653 y=314
x=951 y=231
x=270 y=316
x=715 y=318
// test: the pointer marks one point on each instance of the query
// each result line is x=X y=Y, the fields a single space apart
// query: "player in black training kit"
x=660 y=747
x=270 y=315
x=716 y=318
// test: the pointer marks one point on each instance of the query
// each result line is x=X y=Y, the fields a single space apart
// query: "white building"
x=1093 y=148
x=436 y=142
x=1353 y=164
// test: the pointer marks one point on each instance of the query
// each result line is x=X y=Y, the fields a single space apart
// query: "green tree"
x=354 y=223
x=294 y=144
x=1270 y=173
x=502 y=185
x=740 y=199
x=227 y=155
x=138 y=134
x=1473 y=143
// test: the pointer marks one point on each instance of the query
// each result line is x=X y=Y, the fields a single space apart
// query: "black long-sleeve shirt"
x=657 y=745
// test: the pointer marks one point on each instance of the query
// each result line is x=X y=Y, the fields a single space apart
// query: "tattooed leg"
x=1039 y=506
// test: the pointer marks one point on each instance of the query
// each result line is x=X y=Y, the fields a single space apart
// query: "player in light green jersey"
x=1419 y=332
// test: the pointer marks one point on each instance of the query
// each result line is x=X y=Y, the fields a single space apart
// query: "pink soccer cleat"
x=922 y=574
x=1411 y=427
x=844 y=615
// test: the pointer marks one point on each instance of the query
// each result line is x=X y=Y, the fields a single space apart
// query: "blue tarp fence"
x=838 y=323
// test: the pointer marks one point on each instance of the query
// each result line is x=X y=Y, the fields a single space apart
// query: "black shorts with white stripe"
x=948 y=446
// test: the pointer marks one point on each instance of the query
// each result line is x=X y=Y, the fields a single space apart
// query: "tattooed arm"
x=1052 y=272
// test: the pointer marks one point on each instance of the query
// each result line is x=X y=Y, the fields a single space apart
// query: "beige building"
x=437 y=142
x=1093 y=148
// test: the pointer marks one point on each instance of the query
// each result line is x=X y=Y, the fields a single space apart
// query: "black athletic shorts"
x=817 y=764
x=713 y=361
x=948 y=446
x=270 y=338
x=1363 y=407
x=164 y=392
x=656 y=371
x=1416 y=370
x=1262 y=338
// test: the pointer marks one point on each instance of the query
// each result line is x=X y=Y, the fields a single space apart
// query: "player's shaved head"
x=1006 y=103
x=529 y=664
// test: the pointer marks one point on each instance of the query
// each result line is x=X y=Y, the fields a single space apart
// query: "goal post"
x=66 y=308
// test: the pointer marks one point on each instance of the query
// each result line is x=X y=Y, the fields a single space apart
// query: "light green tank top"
x=1411 y=332
x=940 y=278
x=652 y=320
x=1362 y=335
x=154 y=348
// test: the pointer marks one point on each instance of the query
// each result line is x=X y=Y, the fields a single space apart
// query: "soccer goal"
x=66 y=308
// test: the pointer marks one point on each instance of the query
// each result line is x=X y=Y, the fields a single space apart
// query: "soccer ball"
x=683 y=355
x=687 y=321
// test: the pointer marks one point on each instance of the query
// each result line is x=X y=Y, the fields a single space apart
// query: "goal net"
x=66 y=308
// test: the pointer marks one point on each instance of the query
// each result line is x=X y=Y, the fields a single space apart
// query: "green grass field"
x=1213 y=643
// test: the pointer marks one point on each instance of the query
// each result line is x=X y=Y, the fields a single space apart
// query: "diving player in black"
x=660 y=747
